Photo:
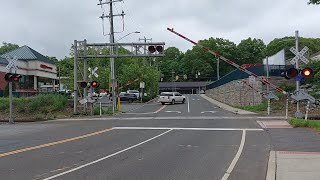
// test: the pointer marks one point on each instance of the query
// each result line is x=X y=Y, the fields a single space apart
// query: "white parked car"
x=171 y=97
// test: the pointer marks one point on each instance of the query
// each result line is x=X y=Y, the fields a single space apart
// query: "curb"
x=271 y=171
x=227 y=107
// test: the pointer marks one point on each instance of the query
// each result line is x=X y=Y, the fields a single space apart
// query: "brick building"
x=39 y=73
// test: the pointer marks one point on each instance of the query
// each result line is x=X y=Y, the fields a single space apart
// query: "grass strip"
x=305 y=123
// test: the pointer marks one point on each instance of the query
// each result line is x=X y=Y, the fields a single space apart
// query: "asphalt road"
x=195 y=140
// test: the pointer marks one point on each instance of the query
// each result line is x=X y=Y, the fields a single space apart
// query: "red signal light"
x=94 y=84
x=12 y=77
x=307 y=72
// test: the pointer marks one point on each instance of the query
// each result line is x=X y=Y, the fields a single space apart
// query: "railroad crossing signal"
x=12 y=63
x=94 y=84
x=10 y=77
x=298 y=74
x=299 y=55
x=306 y=72
x=93 y=72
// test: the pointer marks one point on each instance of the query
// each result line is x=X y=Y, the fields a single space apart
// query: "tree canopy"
x=6 y=47
x=314 y=2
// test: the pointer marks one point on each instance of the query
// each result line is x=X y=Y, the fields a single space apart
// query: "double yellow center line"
x=54 y=143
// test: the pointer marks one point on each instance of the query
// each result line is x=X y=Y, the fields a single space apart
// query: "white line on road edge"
x=173 y=111
x=188 y=105
x=106 y=157
x=208 y=112
x=192 y=129
x=236 y=158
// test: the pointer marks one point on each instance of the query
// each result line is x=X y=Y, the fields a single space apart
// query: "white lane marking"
x=165 y=118
x=173 y=112
x=236 y=158
x=188 y=105
x=193 y=129
x=106 y=157
x=208 y=112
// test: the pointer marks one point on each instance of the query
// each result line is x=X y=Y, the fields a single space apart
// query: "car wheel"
x=162 y=103
x=183 y=101
x=173 y=101
x=130 y=100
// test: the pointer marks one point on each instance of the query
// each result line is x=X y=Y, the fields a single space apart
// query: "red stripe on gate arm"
x=279 y=89
x=267 y=82
x=229 y=61
x=254 y=75
x=205 y=48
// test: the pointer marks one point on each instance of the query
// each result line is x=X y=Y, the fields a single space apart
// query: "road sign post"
x=142 y=84
x=11 y=66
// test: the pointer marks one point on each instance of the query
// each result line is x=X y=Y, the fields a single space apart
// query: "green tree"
x=287 y=42
x=170 y=62
x=197 y=60
x=250 y=51
x=6 y=47
x=314 y=2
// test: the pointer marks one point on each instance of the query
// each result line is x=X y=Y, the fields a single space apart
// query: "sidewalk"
x=295 y=152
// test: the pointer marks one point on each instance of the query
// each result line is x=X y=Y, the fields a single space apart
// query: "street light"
x=137 y=32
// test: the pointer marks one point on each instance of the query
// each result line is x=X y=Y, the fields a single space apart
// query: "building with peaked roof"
x=36 y=69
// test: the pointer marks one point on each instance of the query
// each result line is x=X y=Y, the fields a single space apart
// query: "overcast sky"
x=51 y=26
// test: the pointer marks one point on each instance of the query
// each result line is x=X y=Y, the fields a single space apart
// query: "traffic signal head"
x=94 y=84
x=83 y=84
x=306 y=72
x=303 y=73
x=159 y=49
x=12 y=77
x=291 y=73
x=153 y=49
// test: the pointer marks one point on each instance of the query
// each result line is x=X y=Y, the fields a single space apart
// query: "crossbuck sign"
x=12 y=63
x=93 y=72
x=299 y=55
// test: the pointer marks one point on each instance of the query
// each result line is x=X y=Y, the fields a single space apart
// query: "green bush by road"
x=37 y=105
x=305 y=123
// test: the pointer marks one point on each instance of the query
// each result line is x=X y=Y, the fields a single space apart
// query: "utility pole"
x=172 y=72
x=218 y=68
x=144 y=39
x=11 y=121
x=112 y=65
x=268 y=89
x=75 y=93
x=85 y=74
x=297 y=67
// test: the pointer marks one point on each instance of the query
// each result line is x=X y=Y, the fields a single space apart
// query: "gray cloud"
x=51 y=26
